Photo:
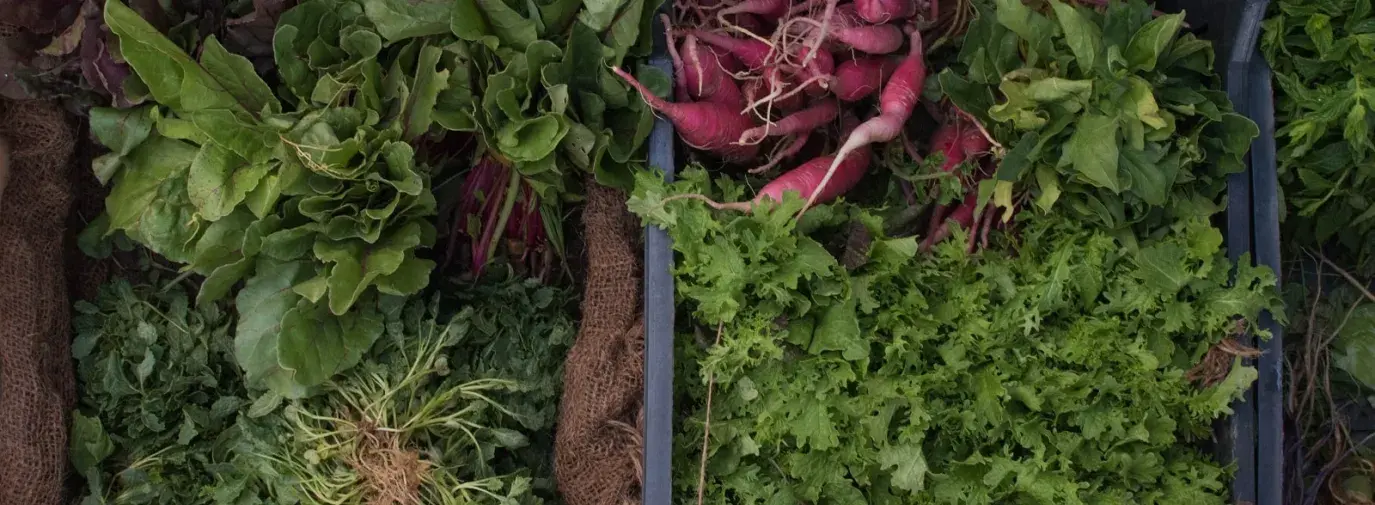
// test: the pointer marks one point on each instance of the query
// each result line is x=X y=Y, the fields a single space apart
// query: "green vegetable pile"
x=1078 y=357
x=460 y=407
x=1321 y=54
x=1114 y=117
x=303 y=337
x=307 y=202
x=160 y=397
x=406 y=425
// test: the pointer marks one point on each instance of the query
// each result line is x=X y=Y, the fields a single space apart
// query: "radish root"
x=784 y=151
x=821 y=31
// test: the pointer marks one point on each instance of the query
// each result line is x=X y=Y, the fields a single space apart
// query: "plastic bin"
x=1252 y=437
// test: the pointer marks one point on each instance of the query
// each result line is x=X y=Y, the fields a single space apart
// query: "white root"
x=791 y=149
x=821 y=32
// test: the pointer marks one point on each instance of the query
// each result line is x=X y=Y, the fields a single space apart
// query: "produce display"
x=341 y=269
x=949 y=252
x=1320 y=53
x=1032 y=306
x=455 y=409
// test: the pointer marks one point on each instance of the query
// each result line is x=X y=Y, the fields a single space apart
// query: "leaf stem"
x=512 y=189
x=706 y=426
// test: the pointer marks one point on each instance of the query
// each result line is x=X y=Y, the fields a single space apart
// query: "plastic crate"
x=1252 y=437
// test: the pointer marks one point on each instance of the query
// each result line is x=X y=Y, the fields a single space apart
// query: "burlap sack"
x=597 y=446
x=36 y=384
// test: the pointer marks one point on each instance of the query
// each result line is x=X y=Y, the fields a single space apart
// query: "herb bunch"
x=1320 y=53
x=159 y=400
x=1113 y=118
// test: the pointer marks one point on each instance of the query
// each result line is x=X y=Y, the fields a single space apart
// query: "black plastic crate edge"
x=659 y=311
x=1265 y=212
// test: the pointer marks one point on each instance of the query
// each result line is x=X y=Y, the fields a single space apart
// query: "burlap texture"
x=597 y=447
x=36 y=385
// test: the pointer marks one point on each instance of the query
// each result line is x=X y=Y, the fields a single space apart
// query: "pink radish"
x=820 y=70
x=793 y=146
x=707 y=126
x=847 y=29
x=962 y=215
x=748 y=22
x=885 y=11
x=801 y=180
x=858 y=78
x=769 y=9
x=774 y=89
x=896 y=102
x=753 y=53
x=801 y=122
x=724 y=59
x=806 y=178
x=880 y=39
x=704 y=79
x=959 y=141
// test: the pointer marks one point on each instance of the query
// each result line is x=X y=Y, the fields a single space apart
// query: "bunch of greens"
x=159 y=397
x=520 y=330
x=313 y=208
x=308 y=202
x=1114 y=116
x=1321 y=53
x=531 y=80
x=1052 y=373
x=406 y=426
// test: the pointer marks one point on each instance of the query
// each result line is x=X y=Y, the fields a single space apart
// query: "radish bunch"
x=756 y=78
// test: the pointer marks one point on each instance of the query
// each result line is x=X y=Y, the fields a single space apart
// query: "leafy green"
x=1112 y=116
x=1053 y=372
x=164 y=415
x=520 y=331
x=1321 y=54
x=548 y=104
x=324 y=206
x=420 y=421
x=159 y=396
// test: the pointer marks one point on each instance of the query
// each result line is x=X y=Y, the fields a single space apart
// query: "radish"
x=747 y=22
x=850 y=31
x=880 y=39
x=703 y=79
x=896 y=102
x=768 y=9
x=860 y=77
x=802 y=122
x=958 y=140
x=801 y=180
x=885 y=11
x=781 y=152
x=772 y=89
x=753 y=53
x=820 y=72
x=962 y=215
x=707 y=126
x=807 y=178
